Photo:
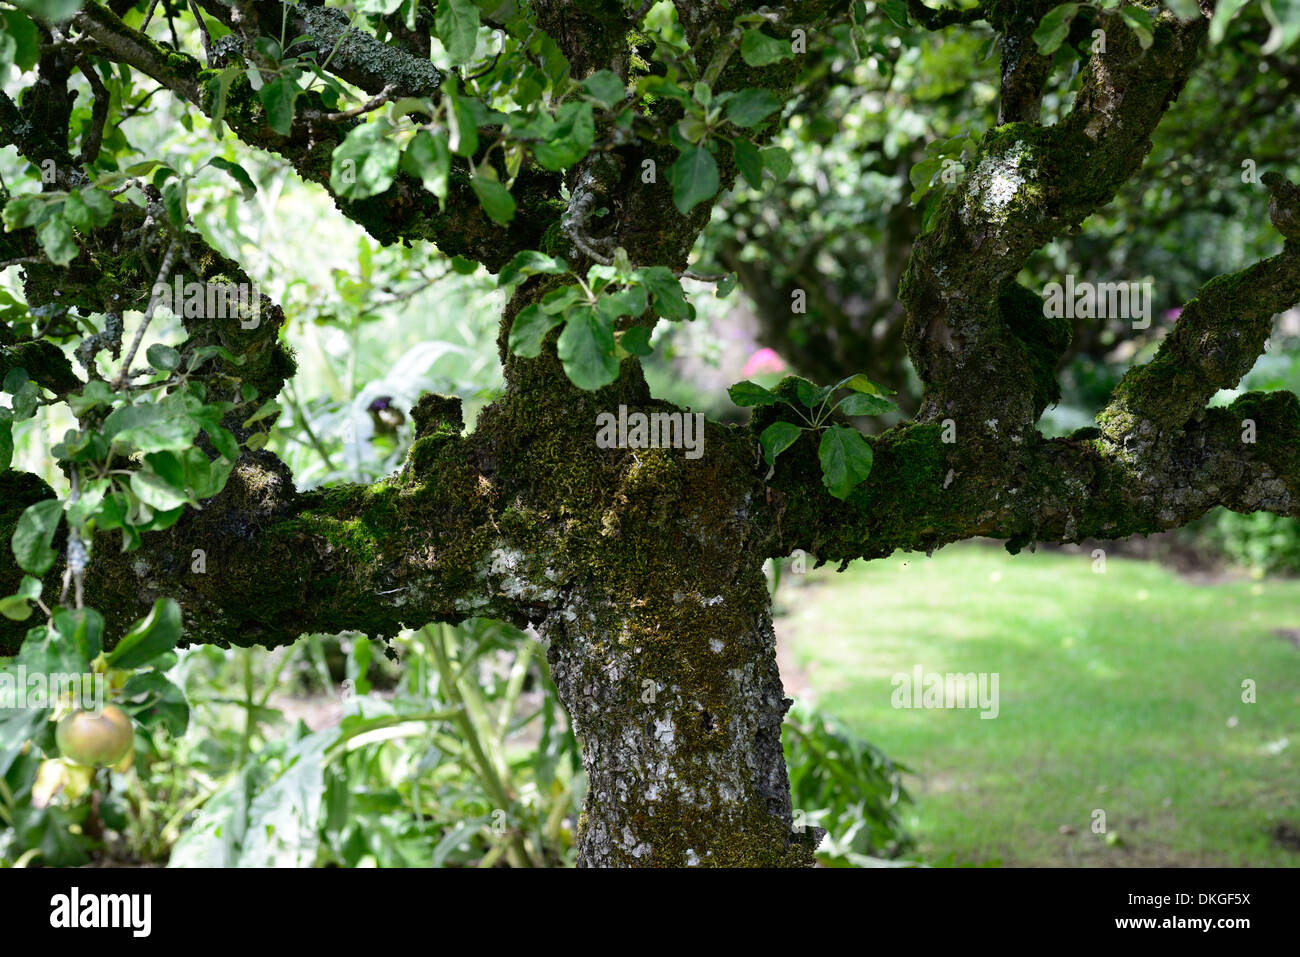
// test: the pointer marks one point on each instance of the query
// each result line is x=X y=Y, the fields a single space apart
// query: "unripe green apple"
x=95 y=741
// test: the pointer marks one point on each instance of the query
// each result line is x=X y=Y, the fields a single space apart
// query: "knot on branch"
x=1283 y=204
x=435 y=413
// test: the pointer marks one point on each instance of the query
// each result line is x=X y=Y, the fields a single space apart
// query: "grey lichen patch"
x=330 y=35
x=992 y=187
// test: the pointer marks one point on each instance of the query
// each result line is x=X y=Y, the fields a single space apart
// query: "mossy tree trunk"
x=676 y=698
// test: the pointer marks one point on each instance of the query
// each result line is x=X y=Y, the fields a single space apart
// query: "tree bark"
x=678 y=703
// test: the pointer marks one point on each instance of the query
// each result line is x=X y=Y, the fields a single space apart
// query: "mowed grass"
x=1119 y=692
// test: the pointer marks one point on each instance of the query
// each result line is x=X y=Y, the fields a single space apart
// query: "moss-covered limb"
x=405 y=211
x=1024 y=70
x=591 y=33
x=924 y=493
x=261 y=564
x=45 y=364
x=1218 y=337
x=178 y=72
x=110 y=277
x=1029 y=184
x=352 y=54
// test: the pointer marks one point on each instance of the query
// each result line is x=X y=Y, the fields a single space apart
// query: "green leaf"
x=23 y=211
x=586 y=347
x=151 y=636
x=83 y=628
x=695 y=178
x=56 y=11
x=278 y=98
x=428 y=157
x=16 y=607
x=266 y=410
x=1184 y=9
x=163 y=358
x=1139 y=21
x=629 y=301
x=1225 y=11
x=749 y=107
x=218 y=89
x=27 y=39
x=33 y=534
x=154 y=701
x=88 y=210
x=6 y=438
x=174 y=202
x=860 y=383
x=605 y=88
x=203 y=353
x=846 y=460
x=558 y=300
x=57 y=240
x=748 y=393
x=149 y=428
x=1053 y=29
x=157 y=492
x=635 y=341
x=748 y=161
x=238 y=174
x=569 y=139
x=456 y=23
x=461 y=126
x=860 y=403
x=96 y=393
x=530 y=263
x=921 y=175
x=365 y=163
x=529 y=330
x=896 y=11
x=776 y=161
x=776 y=438
x=495 y=199
x=143 y=168
x=666 y=292
x=811 y=395
x=758 y=49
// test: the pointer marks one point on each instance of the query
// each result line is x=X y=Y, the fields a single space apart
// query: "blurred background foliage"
x=450 y=747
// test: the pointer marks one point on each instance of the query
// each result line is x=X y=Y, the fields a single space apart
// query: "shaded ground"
x=1119 y=692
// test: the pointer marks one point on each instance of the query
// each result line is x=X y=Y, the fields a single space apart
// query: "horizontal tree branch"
x=924 y=493
x=1218 y=337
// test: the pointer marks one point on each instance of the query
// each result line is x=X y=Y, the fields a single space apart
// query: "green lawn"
x=1119 y=691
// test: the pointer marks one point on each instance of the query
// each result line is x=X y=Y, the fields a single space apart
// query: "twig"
x=374 y=103
x=98 y=113
x=203 y=31
x=164 y=271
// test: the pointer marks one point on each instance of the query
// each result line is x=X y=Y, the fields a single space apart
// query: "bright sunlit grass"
x=1119 y=691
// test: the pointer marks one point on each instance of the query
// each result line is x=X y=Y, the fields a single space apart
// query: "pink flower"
x=764 y=360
